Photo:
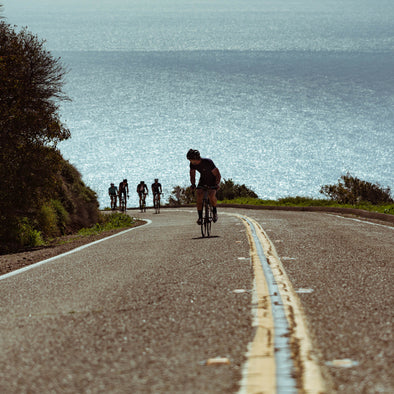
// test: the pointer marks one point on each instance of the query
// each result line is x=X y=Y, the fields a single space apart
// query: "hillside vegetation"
x=41 y=195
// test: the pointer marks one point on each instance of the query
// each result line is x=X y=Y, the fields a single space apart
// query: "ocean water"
x=285 y=96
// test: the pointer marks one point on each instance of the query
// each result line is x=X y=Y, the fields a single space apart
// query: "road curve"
x=159 y=309
x=142 y=312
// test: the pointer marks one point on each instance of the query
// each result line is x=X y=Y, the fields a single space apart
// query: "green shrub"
x=47 y=221
x=62 y=215
x=352 y=190
x=27 y=235
x=108 y=222
x=181 y=196
x=230 y=191
x=52 y=219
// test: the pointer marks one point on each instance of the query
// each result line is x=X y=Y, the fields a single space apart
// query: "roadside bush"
x=52 y=219
x=229 y=191
x=63 y=218
x=181 y=196
x=108 y=222
x=47 y=221
x=27 y=235
x=352 y=190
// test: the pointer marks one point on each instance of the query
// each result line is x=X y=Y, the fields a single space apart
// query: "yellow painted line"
x=308 y=374
x=260 y=369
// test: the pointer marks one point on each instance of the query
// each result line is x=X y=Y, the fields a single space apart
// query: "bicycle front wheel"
x=206 y=221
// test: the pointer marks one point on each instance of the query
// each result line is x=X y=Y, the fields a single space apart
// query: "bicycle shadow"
x=211 y=236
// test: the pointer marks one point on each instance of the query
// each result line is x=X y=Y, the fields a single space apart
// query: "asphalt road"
x=343 y=269
x=142 y=312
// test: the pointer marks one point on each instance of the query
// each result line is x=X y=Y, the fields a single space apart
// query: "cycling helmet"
x=193 y=154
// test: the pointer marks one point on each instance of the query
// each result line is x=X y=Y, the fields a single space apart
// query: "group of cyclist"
x=209 y=176
x=123 y=191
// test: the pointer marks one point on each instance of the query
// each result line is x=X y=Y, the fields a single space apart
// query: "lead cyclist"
x=209 y=175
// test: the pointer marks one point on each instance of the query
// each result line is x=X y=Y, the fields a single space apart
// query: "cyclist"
x=156 y=189
x=142 y=190
x=209 y=175
x=123 y=189
x=113 y=194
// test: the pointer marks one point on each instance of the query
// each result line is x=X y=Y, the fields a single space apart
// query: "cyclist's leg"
x=212 y=197
x=213 y=200
x=199 y=198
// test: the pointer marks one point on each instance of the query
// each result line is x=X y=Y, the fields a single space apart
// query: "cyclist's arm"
x=192 y=176
x=217 y=175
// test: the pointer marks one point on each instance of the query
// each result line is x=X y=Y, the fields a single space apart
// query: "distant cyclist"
x=142 y=190
x=156 y=189
x=123 y=189
x=113 y=194
x=209 y=175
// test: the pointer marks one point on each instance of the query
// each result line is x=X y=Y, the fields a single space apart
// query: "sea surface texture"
x=285 y=96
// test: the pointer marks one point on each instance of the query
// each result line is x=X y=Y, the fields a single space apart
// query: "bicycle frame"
x=207 y=217
x=122 y=202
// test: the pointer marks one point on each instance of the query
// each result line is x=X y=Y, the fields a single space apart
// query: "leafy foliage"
x=181 y=196
x=352 y=190
x=228 y=191
x=108 y=222
x=41 y=194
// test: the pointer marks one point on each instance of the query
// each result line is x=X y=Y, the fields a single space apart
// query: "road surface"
x=158 y=309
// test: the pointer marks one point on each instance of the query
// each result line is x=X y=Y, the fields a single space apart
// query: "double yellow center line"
x=281 y=358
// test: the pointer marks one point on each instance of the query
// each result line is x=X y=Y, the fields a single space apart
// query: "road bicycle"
x=156 y=202
x=207 y=215
x=143 y=203
x=123 y=202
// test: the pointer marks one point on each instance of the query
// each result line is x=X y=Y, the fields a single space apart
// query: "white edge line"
x=29 y=267
x=361 y=221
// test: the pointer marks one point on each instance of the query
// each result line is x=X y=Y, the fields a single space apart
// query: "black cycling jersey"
x=142 y=188
x=156 y=188
x=205 y=168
